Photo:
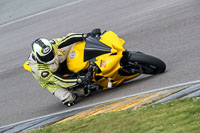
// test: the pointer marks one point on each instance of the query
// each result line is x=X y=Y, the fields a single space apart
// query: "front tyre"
x=145 y=64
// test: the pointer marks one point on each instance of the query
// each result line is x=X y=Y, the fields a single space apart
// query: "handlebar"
x=86 y=80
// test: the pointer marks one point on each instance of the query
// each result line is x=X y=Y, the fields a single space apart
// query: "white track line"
x=87 y=106
x=39 y=13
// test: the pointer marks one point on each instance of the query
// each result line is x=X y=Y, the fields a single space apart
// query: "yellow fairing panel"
x=75 y=59
x=108 y=64
x=112 y=40
x=116 y=78
x=27 y=67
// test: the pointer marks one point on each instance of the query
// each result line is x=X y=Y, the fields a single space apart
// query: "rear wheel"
x=137 y=62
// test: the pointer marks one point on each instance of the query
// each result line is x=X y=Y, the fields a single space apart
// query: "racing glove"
x=94 y=33
x=84 y=79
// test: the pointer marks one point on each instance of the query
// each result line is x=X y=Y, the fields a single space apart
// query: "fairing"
x=94 y=48
x=109 y=44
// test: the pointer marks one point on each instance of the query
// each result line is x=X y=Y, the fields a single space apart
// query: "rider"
x=48 y=64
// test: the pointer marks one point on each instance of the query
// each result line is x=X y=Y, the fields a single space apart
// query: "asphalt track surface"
x=168 y=29
x=12 y=10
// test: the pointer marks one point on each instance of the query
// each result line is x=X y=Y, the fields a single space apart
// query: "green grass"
x=179 y=116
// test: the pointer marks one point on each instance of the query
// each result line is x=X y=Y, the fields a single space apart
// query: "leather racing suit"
x=48 y=75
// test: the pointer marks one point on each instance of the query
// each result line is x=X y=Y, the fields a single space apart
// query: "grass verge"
x=179 y=116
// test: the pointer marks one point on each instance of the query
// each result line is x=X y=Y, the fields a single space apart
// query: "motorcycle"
x=106 y=63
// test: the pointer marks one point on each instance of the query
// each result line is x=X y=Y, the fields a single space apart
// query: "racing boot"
x=71 y=102
x=65 y=96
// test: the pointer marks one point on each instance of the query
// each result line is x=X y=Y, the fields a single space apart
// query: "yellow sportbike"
x=107 y=63
x=102 y=62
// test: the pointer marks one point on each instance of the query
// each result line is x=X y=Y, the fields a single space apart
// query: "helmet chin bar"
x=46 y=59
x=42 y=62
x=52 y=61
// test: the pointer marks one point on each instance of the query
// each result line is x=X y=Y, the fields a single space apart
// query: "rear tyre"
x=145 y=64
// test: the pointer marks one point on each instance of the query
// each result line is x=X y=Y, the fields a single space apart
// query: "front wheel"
x=145 y=64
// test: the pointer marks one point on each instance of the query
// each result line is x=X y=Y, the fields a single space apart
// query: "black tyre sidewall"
x=148 y=60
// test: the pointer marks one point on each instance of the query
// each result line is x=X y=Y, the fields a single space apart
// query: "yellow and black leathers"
x=46 y=74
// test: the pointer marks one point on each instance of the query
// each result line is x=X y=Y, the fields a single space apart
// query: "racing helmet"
x=43 y=51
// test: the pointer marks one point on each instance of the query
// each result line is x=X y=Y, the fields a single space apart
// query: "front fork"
x=133 y=67
x=87 y=85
